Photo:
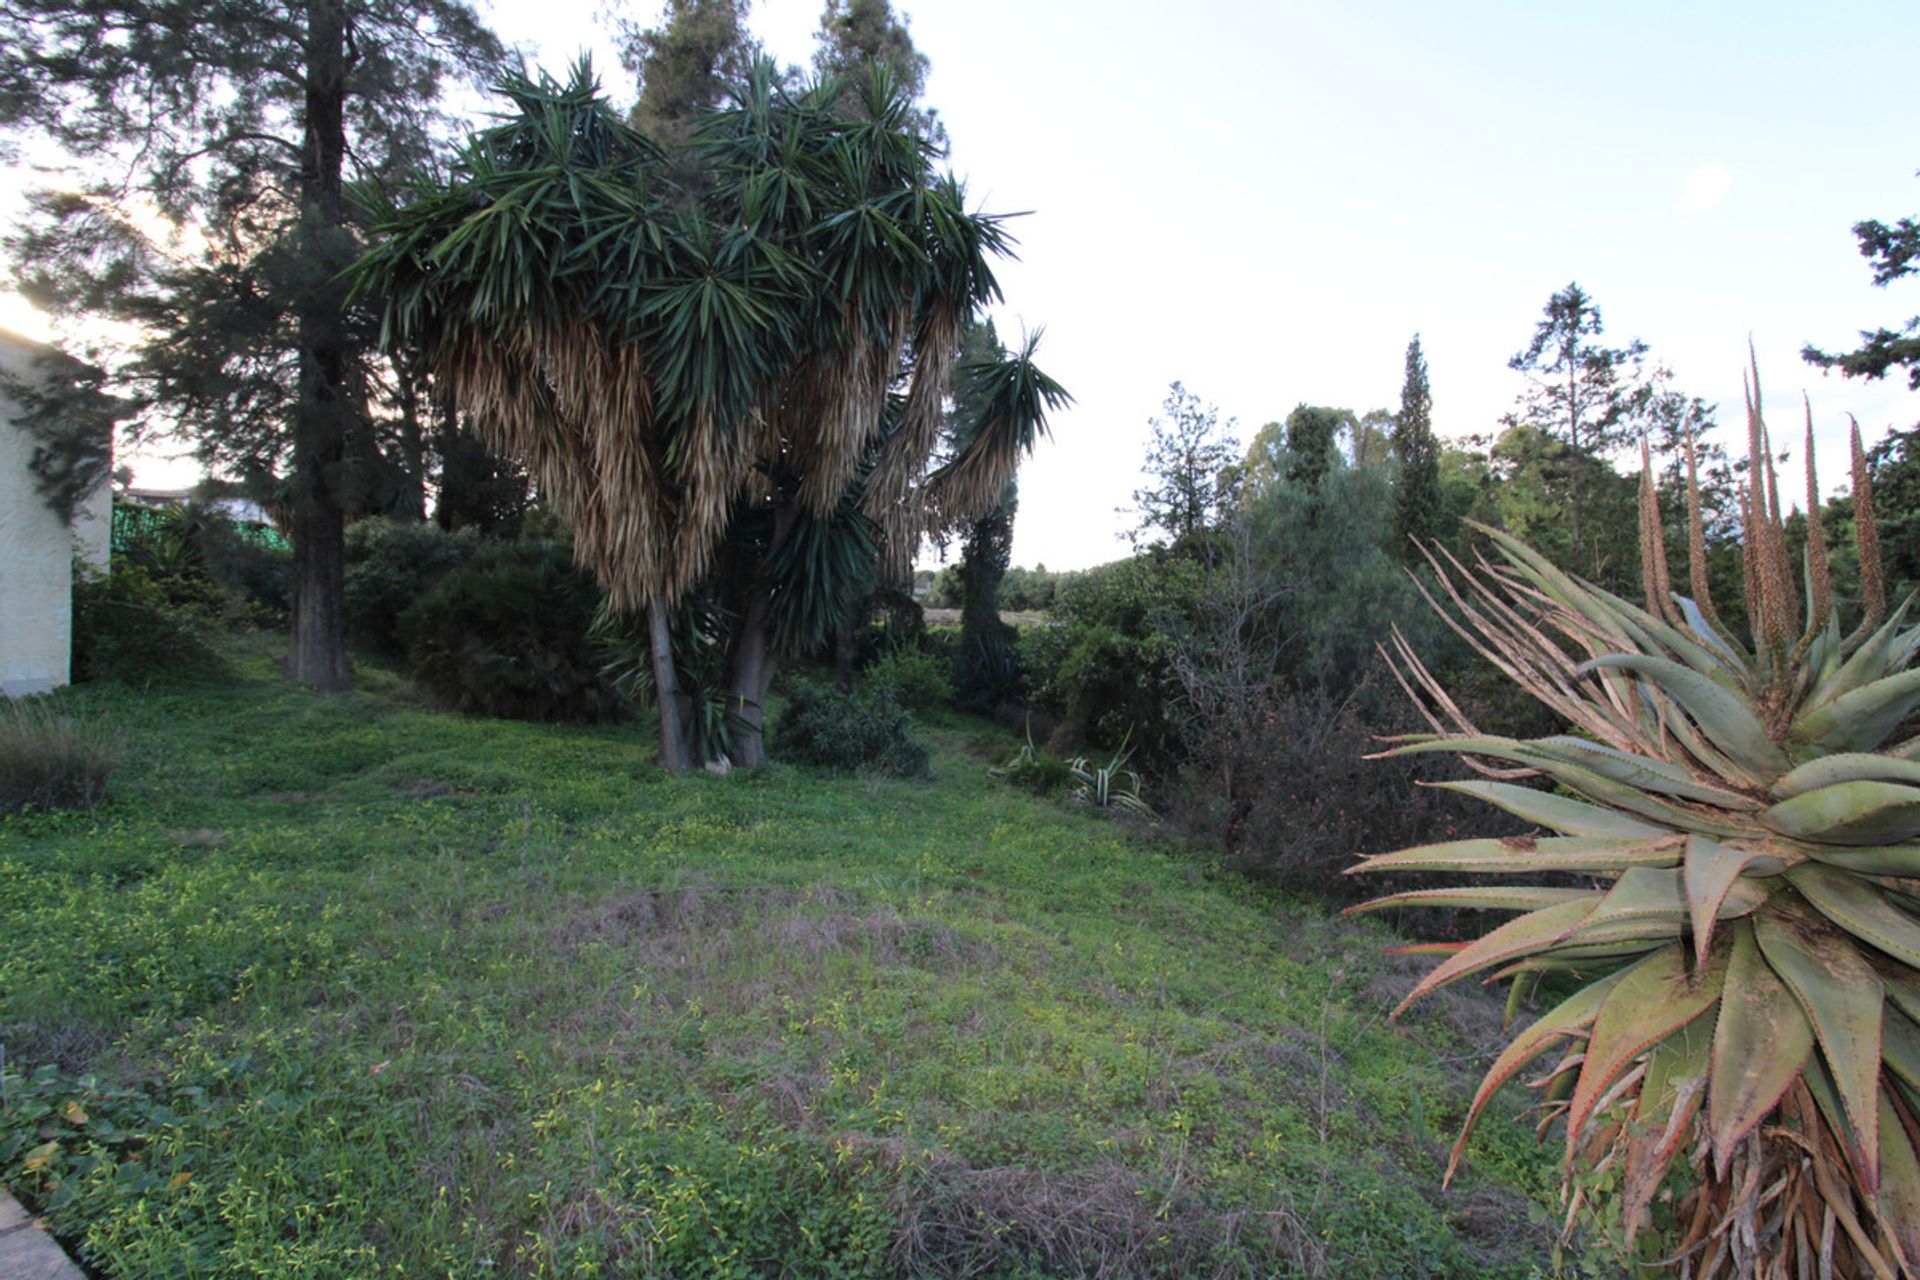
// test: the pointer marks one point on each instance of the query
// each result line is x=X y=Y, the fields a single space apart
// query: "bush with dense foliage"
x=508 y=634
x=917 y=677
x=863 y=731
x=126 y=628
x=1289 y=797
x=1105 y=665
x=1738 y=1038
x=201 y=558
x=390 y=565
x=51 y=759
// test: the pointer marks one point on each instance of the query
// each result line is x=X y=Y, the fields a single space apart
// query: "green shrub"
x=203 y=561
x=126 y=628
x=1105 y=668
x=1033 y=769
x=917 y=678
x=866 y=730
x=52 y=760
x=390 y=565
x=507 y=634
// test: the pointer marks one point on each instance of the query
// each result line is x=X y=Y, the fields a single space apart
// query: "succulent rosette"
x=1734 y=897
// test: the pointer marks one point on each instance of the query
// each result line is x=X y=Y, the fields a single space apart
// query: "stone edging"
x=27 y=1252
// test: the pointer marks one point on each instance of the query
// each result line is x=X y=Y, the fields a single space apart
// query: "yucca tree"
x=1735 y=897
x=729 y=371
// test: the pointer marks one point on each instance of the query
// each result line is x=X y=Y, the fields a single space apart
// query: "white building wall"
x=36 y=553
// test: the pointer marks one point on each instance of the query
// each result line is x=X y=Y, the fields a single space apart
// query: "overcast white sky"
x=1266 y=201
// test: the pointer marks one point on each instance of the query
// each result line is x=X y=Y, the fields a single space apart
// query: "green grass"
x=347 y=987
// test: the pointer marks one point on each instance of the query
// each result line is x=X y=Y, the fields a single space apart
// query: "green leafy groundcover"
x=343 y=987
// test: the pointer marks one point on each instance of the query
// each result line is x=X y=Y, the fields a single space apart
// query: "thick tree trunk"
x=317 y=649
x=845 y=641
x=748 y=681
x=674 y=757
x=412 y=505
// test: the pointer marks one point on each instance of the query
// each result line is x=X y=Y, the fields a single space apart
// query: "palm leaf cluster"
x=1735 y=902
x=660 y=342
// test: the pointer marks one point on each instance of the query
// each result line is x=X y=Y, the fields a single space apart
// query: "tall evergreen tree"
x=1187 y=455
x=1894 y=252
x=1313 y=441
x=242 y=122
x=1580 y=392
x=857 y=35
x=1417 y=506
x=686 y=64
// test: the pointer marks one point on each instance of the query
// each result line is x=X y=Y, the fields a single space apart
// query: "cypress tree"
x=1416 y=502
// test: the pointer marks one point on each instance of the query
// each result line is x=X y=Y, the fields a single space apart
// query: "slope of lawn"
x=348 y=987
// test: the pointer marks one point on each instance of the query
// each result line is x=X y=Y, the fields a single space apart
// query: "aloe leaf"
x=1842 y=997
x=1571 y=817
x=1494 y=897
x=1900 y=1047
x=1760 y=1044
x=1653 y=1000
x=1670 y=1096
x=1569 y=1017
x=1899 y=1197
x=1860 y=909
x=1885 y=860
x=1643 y=892
x=1707 y=875
x=1849 y=813
x=1846 y=766
x=1519 y=991
x=1576 y=776
x=1645 y=772
x=1586 y=960
x=1525 y=853
x=1861 y=720
x=1712 y=639
x=1512 y=940
x=1903 y=988
x=1870 y=662
x=1723 y=715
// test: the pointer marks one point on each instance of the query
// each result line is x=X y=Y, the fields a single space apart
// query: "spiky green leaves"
x=1754 y=908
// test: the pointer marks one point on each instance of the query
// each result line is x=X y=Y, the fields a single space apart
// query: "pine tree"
x=241 y=124
x=1894 y=252
x=857 y=36
x=1417 y=506
x=686 y=64
x=1187 y=456
x=1580 y=392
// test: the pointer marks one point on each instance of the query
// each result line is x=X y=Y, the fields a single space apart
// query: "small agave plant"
x=1741 y=925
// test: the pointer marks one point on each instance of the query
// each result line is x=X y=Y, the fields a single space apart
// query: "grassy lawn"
x=348 y=987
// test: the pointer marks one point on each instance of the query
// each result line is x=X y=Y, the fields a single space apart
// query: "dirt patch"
x=885 y=935
x=1294 y=1064
x=719 y=920
x=965 y=1223
x=655 y=915
x=72 y=1045
x=423 y=788
x=1474 y=1013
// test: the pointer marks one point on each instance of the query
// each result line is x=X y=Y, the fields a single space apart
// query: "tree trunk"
x=317 y=649
x=412 y=505
x=748 y=681
x=844 y=643
x=666 y=689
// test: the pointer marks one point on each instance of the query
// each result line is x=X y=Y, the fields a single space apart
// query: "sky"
x=1265 y=201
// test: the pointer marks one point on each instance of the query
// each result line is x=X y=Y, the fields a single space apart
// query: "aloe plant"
x=1736 y=900
x=1111 y=785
